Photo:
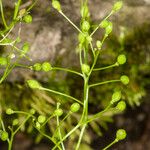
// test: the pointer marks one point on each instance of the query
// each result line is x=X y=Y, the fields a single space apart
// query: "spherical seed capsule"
x=75 y=107
x=81 y=38
x=41 y=119
x=58 y=112
x=15 y=122
x=124 y=79
x=25 y=48
x=99 y=44
x=116 y=96
x=85 y=26
x=46 y=66
x=3 y=61
x=38 y=126
x=121 y=59
x=109 y=28
x=37 y=66
x=32 y=111
x=117 y=6
x=121 y=134
x=121 y=106
x=4 y=136
x=85 y=68
x=56 y=5
x=27 y=18
x=104 y=24
x=33 y=84
x=9 y=111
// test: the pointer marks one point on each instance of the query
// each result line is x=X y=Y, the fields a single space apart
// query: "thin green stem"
x=67 y=70
x=2 y=15
x=62 y=94
x=101 y=83
x=32 y=5
x=67 y=135
x=108 y=146
x=59 y=130
x=107 y=67
x=100 y=23
x=80 y=137
x=17 y=5
x=70 y=21
x=48 y=137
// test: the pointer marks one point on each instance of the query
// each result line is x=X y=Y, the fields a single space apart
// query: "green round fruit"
x=81 y=38
x=116 y=96
x=58 y=112
x=25 y=48
x=121 y=59
x=99 y=44
x=33 y=84
x=38 y=126
x=15 y=122
x=46 y=66
x=109 y=28
x=4 y=136
x=85 y=26
x=75 y=107
x=41 y=119
x=9 y=111
x=121 y=106
x=85 y=68
x=56 y=5
x=117 y=6
x=121 y=134
x=37 y=66
x=27 y=18
x=32 y=111
x=124 y=79
x=104 y=24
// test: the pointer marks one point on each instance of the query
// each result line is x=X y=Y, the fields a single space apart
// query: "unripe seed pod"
x=32 y=111
x=46 y=66
x=27 y=18
x=81 y=38
x=85 y=26
x=84 y=11
x=3 y=61
x=75 y=107
x=124 y=79
x=121 y=106
x=58 y=112
x=33 y=84
x=104 y=24
x=25 y=48
x=116 y=97
x=121 y=134
x=56 y=5
x=4 y=136
x=121 y=59
x=99 y=44
x=38 y=126
x=37 y=66
x=109 y=28
x=85 y=68
x=117 y=6
x=41 y=119
x=15 y=122
x=9 y=111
